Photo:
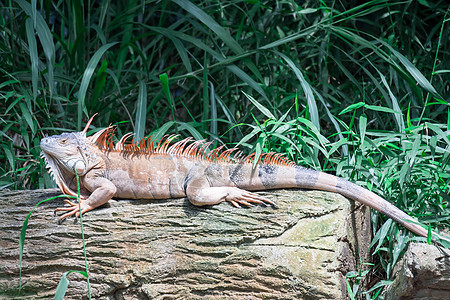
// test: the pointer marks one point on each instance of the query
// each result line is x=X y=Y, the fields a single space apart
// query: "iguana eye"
x=63 y=141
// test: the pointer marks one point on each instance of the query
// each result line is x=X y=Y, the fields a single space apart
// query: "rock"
x=424 y=274
x=167 y=249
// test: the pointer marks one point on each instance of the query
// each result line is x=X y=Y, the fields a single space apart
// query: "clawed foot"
x=237 y=196
x=74 y=209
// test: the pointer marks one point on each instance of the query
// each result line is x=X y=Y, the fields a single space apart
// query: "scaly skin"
x=147 y=172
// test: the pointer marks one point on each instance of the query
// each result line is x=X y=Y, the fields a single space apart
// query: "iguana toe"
x=74 y=209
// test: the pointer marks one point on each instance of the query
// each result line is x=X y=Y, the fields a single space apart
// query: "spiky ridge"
x=186 y=148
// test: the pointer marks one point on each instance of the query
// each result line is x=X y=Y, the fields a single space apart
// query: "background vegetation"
x=359 y=89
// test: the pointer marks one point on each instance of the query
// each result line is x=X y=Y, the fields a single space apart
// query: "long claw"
x=74 y=209
x=242 y=201
x=235 y=204
x=70 y=202
x=238 y=196
x=255 y=198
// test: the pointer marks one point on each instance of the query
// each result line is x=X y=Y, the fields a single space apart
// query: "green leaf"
x=211 y=24
x=165 y=84
x=381 y=235
x=362 y=127
x=307 y=90
x=158 y=134
x=418 y=76
x=259 y=106
x=183 y=53
x=395 y=106
x=352 y=107
x=382 y=109
x=64 y=284
x=100 y=82
x=192 y=131
x=349 y=289
x=9 y=156
x=87 y=76
x=27 y=115
x=141 y=111
x=33 y=56
x=45 y=38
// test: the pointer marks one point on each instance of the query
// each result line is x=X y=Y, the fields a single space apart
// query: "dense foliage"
x=359 y=89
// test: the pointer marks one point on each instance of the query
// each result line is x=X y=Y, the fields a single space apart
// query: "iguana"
x=184 y=169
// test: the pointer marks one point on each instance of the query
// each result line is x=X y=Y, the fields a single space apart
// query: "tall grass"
x=359 y=90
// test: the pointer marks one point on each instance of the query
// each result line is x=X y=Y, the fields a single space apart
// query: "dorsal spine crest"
x=187 y=147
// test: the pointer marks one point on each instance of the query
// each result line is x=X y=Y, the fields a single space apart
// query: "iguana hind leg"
x=234 y=195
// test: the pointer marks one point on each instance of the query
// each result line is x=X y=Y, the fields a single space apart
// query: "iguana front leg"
x=200 y=193
x=101 y=191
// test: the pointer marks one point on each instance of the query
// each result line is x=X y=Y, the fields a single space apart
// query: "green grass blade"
x=205 y=96
x=362 y=127
x=63 y=284
x=141 y=111
x=211 y=24
x=381 y=108
x=45 y=38
x=191 y=129
x=352 y=107
x=33 y=55
x=261 y=107
x=165 y=84
x=307 y=90
x=212 y=96
x=418 y=76
x=87 y=76
x=9 y=155
x=247 y=79
x=183 y=53
x=26 y=113
x=395 y=106
x=158 y=134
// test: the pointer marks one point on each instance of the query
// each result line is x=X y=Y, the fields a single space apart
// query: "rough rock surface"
x=425 y=274
x=170 y=249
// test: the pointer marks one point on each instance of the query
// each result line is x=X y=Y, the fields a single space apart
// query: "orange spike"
x=193 y=148
x=121 y=142
x=225 y=155
x=238 y=157
x=178 y=146
x=210 y=155
x=93 y=138
x=102 y=139
x=142 y=144
x=279 y=156
x=249 y=158
x=268 y=158
x=216 y=153
x=187 y=150
x=183 y=145
x=162 y=147
x=89 y=123
x=201 y=153
x=159 y=143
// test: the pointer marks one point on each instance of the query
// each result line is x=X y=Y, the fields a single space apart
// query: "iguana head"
x=69 y=154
